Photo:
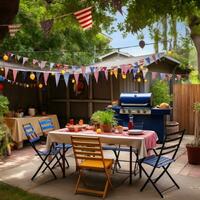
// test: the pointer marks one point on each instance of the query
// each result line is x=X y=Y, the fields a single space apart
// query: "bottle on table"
x=71 y=121
x=130 y=122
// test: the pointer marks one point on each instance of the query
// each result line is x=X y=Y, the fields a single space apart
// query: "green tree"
x=67 y=42
x=144 y=13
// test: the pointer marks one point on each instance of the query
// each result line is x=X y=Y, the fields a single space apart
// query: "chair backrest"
x=87 y=148
x=46 y=125
x=30 y=133
x=172 y=143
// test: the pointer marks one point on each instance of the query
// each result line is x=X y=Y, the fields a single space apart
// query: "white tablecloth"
x=140 y=142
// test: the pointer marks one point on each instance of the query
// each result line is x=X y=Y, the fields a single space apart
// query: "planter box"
x=193 y=155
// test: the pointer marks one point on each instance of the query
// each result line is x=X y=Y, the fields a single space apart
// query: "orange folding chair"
x=89 y=156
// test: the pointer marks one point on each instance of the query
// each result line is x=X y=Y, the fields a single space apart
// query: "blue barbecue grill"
x=139 y=105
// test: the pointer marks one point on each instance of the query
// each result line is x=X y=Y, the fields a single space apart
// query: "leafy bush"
x=4 y=131
x=3 y=105
x=160 y=92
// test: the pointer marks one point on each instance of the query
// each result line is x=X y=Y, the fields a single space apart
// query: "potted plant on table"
x=193 y=149
x=4 y=131
x=104 y=119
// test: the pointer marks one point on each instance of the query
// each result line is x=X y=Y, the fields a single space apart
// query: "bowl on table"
x=74 y=128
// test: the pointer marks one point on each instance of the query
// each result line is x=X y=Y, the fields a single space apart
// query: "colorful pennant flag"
x=148 y=60
x=38 y=76
x=66 y=79
x=144 y=71
x=76 y=76
x=46 y=76
x=18 y=57
x=83 y=69
x=135 y=70
x=84 y=18
x=87 y=78
x=115 y=72
x=35 y=61
x=96 y=75
x=25 y=59
x=92 y=69
x=42 y=64
x=6 y=72
x=57 y=77
x=13 y=29
x=24 y=75
x=141 y=62
x=51 y=65
x=14 y=74
x=162 y=76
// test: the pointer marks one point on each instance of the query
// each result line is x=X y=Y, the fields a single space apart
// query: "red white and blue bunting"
x=44 y=68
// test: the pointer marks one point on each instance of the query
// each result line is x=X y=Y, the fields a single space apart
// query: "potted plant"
x=193 y=149
x=4 y=131
x=104 y=119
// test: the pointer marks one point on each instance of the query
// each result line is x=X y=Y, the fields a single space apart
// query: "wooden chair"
x=89 y=156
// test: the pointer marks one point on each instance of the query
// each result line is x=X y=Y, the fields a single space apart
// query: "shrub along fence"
x=184 y=96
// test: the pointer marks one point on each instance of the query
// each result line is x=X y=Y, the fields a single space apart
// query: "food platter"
x=135 y=132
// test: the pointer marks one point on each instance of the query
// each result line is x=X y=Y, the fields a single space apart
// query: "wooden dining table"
x=141 y=142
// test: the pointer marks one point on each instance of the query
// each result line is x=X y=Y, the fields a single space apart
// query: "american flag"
x=84 y=17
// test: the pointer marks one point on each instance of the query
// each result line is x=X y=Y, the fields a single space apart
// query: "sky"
x=131 y=40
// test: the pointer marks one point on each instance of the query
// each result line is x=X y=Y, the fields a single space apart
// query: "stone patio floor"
x=18 y=168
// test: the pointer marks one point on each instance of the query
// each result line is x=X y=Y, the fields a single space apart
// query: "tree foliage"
x=67 y=42
x=146 y=13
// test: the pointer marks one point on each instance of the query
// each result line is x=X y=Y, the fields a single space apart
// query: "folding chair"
x=47 y=126
x=89 y=156
x=33 y=138
x=169 y=147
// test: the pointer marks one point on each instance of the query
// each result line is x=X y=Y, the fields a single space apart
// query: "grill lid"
x=135 y=99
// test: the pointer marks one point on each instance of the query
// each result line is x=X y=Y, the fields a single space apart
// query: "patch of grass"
x=8 y=192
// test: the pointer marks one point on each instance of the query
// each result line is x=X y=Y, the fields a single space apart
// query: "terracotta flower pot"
x=193 y=155
x=107 y=128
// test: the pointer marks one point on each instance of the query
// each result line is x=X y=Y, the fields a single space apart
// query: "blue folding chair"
x=170 y=148
x=46 y=126
x=33 y=138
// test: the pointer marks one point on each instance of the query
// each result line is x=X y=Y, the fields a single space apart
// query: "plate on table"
x=135 y=132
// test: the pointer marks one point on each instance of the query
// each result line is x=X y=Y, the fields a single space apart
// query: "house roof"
x=115 y=52
x=163 y=63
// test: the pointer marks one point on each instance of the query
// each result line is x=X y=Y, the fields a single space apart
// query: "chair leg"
x=172 y=180
x=117 y=158
x=47 y=166
x=105 y=189
x=78 y=182
x=149 y=180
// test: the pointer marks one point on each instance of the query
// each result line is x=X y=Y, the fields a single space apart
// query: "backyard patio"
x=99 y=99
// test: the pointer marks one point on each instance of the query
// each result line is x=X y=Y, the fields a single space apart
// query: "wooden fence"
x=184 y=96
